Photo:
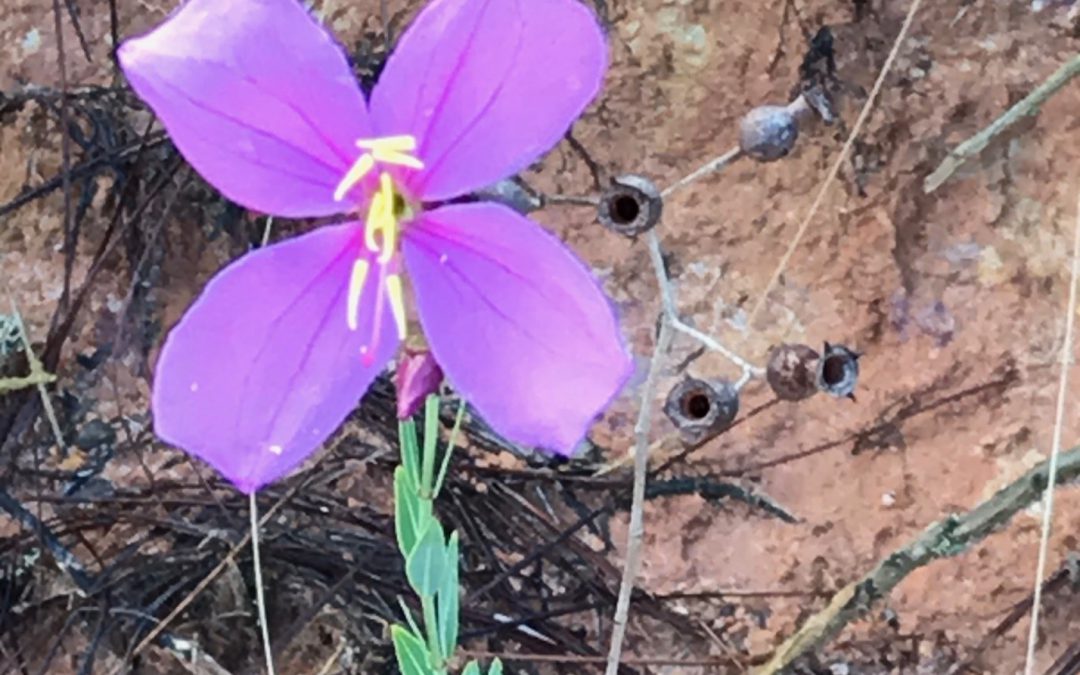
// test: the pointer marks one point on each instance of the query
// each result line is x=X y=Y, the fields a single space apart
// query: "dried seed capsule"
x=838 y=371
x=768 y=133
x=792 y=371
x=701 y=409
x=631 y=206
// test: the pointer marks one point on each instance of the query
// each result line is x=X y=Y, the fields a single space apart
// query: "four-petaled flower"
x=282 y=343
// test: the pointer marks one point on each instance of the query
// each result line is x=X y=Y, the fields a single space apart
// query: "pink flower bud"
x=417 y=376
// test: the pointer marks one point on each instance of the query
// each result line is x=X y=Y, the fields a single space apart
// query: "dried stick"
x=637 y=528
x=214 y=573
x=39 y=376
x=841 y=158
x=9 y=384
x=1055 y=448
x=946 y=538
x=1029 y=105
x=711 y=166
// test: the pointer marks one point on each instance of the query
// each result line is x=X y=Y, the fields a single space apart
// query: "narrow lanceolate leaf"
x=472 y=669
x=406 y=511
x=449 y=600
x=426 y=566
x=410 y=451
x=496 y=668
x=412 y=656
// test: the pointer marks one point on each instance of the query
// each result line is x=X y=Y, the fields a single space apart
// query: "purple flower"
x=282 y=343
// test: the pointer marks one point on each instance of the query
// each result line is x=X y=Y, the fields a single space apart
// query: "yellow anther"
x=402 y=143
x=354 y=175
x=398 y=158
x=356 y=290
x=387 y=150
x=397 y=303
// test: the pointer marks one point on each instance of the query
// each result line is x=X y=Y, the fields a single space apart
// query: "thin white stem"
x=260 y=600
x=709 y=167
x=1055 y=450
x=636 y=528
x=667 y=295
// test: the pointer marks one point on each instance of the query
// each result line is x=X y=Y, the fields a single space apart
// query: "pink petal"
x=257 y=97
x=263 y=367
x=516 y=321
x=487 y=87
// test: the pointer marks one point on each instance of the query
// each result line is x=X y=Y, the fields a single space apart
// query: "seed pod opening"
x=768 y=133
x=791 y=371
x=838 y=371
x=631 y=206
x=700 y=409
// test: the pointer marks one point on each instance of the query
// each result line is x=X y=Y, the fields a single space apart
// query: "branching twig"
x=667 y=295
x=946 y=538
x=1029 y=105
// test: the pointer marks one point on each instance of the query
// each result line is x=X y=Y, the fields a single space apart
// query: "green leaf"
x=473 y=668
x=409 y=617
x=449 y=600
x=407 y=512
x=496 y=668
x=412 y=656
x=410 y=452
x=426 y=564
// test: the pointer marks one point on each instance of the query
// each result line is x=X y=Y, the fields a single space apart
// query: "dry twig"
x=1029 y=105
x=946 y=538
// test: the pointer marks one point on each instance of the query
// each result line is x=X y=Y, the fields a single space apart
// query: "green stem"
x=449 y=448
x=431 y=628
x=427 y=461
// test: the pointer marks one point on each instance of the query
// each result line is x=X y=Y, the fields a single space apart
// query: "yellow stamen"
x=399 y=158
x=356 y=289
x=354 y=175
x=402 y=143
x=382 y=221
x=388 y=150
x=397 y=303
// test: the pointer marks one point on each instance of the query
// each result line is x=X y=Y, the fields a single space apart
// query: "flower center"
x=382 y=229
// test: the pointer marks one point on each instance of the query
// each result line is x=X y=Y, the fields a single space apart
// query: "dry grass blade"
x=864 y=114
x=1055 y=449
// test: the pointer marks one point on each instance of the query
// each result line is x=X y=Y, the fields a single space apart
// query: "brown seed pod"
x=791 y=371
x=631 y=206
x=768 y=133
x=701 y=409
x=838 y=371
